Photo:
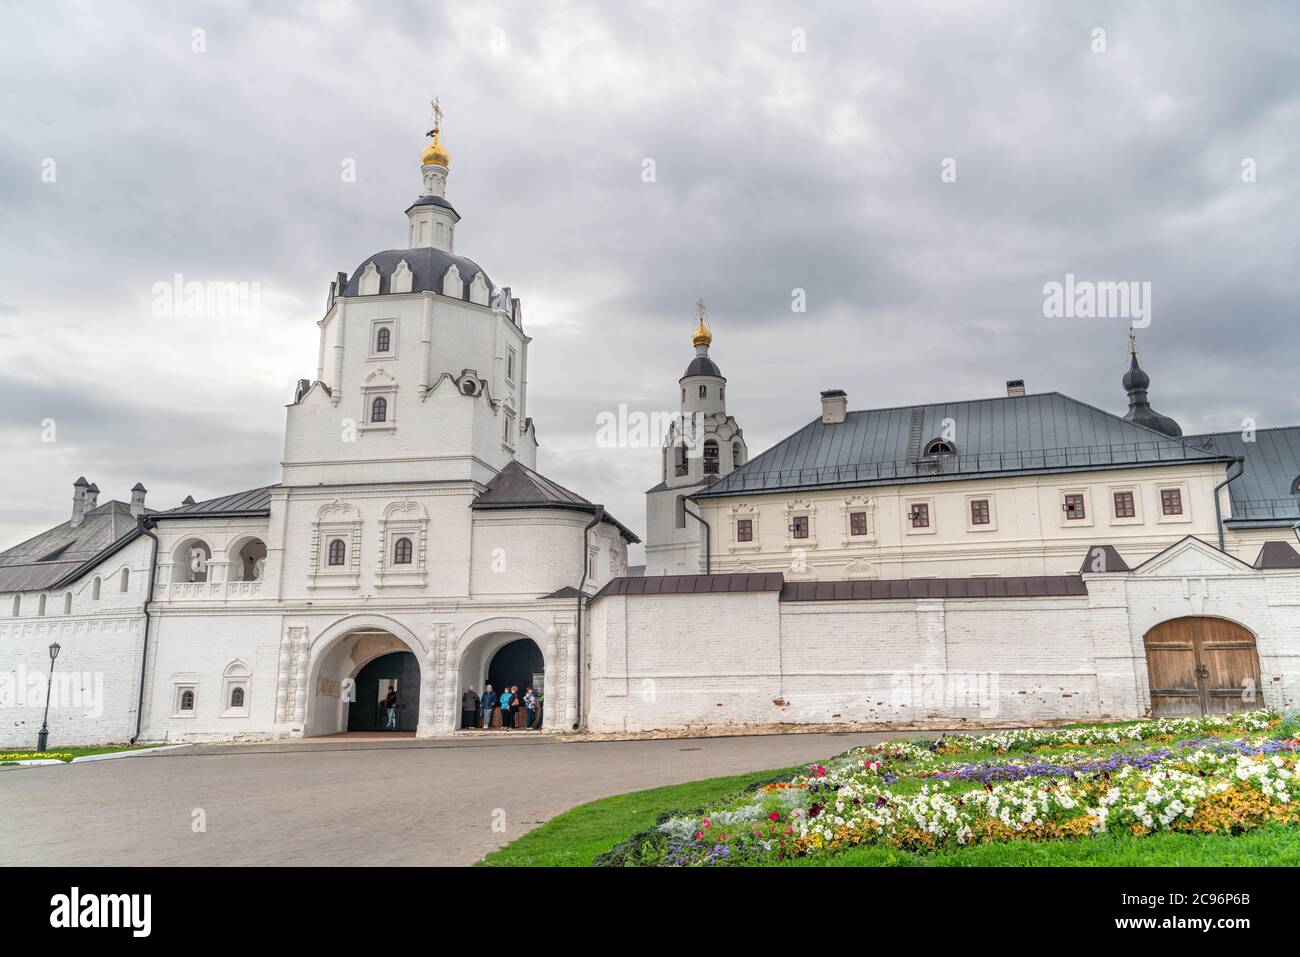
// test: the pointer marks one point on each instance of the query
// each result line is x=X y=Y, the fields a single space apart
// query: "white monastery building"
x=1019 y=558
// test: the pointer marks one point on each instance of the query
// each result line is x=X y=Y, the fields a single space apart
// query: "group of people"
x=508 y=709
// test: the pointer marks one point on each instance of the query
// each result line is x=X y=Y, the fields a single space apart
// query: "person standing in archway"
x=530 y=704
x=468 y=707
x=488 y=703
x=505 y=701
x=390 y=706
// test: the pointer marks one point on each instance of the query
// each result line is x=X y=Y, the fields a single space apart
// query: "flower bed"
x=1224 y=773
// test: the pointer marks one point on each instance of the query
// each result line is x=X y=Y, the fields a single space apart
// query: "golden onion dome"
x=701 y=336
x=435 y=154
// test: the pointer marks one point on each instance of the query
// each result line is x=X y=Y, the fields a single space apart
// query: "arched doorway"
x=1201 y=665
x=355 y=661
x=518 y=663
x=397 y=672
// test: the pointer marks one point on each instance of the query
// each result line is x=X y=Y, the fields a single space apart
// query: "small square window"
x=979 y=511
x=1124 y=505
x=1073 y=507
x=744 y=529
x=857 y=523
x=920 y=515
x=1171 y=501
x=799 y=526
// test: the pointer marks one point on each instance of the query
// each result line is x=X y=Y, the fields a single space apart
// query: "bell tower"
x=703 y=444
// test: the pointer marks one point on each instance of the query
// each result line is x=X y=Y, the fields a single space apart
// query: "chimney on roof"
x=835 y=406
x=1015 y=387
x=79 y=500
x=92 y=497
x=137 y=499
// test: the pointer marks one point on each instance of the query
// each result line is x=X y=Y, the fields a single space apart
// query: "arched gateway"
x=353 y=667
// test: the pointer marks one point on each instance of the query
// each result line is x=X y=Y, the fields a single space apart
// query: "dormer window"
x=384 y=339
x=379 y=410
x=940 y=447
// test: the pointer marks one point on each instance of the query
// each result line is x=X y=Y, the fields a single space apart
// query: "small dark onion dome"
x=1136 y=383
x=702 y=365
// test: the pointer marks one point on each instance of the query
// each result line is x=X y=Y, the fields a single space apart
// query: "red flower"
x=774 y=816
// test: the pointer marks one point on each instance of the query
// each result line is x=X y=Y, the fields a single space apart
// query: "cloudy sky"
x=793 y=149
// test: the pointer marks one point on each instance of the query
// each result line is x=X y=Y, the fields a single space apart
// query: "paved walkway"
x=349 y=802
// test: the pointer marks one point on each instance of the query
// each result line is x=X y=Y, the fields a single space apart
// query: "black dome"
x=702 y=365
x=428 y=266
x=1135 y=378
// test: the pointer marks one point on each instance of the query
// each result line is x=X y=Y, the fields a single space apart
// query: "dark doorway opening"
x=518 y=663
x=400 y=671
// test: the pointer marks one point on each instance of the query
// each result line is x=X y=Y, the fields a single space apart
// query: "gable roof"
x=518 y=486
x=1008 y=435
x=1103 y=558
x=1263 y=496
x=62 y=554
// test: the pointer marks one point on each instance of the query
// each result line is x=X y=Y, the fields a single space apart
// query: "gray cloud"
x=776 y=170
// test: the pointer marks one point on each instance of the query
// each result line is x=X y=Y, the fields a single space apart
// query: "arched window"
x=383 y=339
x=737 y=454
x=704 y=392
x=67 y=603
x=939 y=447
x=402 y=551
x=95 y=588
x=379 y=410
x=1295 y=486
x=126 y=580
x=710 y=457
x=337 y=551
x=237 y=697
x=187 y=700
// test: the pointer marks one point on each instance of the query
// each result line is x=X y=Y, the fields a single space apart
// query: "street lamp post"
x=42 y=739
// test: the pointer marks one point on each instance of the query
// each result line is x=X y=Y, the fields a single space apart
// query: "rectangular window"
x=744 y=529
x=858 y=523
x=799 y=526
x=509 y=436
x=920 y=515
x=510 y=366
x=1124 y=506
x=1074 y=508
x=1171 y=501
x=979 y=511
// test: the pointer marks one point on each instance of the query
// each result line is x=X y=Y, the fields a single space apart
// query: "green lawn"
x=67 y=754
x=576 y=837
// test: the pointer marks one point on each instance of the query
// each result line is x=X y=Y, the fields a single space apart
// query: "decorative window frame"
x=744 y=510
x=858 y=503
x=1089 y=512
x=336 y=519
x=179 y=687
x=794 y=508
x=236 y=675
x=1136 y=492
x=928 y=502
x=1184 y=498
x=510 y=428
x=404 y=518
x=989 y=497
x=375 y=326
x=379 y=384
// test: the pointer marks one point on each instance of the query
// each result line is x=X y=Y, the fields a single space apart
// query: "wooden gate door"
x=1202 y=666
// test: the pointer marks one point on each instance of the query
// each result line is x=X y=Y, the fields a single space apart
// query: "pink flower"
x=774 y=816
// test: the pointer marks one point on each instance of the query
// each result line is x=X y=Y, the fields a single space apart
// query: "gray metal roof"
x=434 y=201
x=1009 y=435
x=428 y=266
x=56 y=556
x=517 y=486
x=702 y=365
x=1263 y=496
x=253 y=503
